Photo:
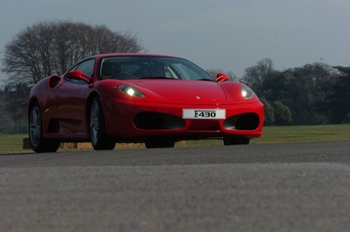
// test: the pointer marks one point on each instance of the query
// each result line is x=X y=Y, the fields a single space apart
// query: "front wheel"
x=37 y=142
x=235 y=140
x=99 y=139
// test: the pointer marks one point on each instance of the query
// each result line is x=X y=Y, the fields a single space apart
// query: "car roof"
x=131 y=54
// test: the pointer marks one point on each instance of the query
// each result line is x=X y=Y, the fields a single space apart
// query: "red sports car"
x=155 y=99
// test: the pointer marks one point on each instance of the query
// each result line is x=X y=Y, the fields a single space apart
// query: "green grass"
x=321 y=133
x=290 y=134
x=12 y=143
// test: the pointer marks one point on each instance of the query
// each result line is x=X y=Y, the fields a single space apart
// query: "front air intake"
x=248 y=121
x=157 y=121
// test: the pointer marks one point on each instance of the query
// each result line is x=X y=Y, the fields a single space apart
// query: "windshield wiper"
x=159 y=77
x=205 y=79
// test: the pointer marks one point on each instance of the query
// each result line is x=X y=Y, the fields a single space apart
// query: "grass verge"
x=12 y=143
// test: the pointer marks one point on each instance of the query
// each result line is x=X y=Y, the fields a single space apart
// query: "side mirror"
x=78 y=75
x=221 y=77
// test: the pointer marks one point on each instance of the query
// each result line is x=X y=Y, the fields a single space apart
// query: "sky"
x=230 y=35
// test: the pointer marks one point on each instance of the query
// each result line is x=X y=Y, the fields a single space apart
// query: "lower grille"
x=248 y=121
x=157 y=121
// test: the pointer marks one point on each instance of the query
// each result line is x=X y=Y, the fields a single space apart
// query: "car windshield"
x=150 y=67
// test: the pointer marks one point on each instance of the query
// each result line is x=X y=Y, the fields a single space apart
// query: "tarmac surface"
x=270 y=187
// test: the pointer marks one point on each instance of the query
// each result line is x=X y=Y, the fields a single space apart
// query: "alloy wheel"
x=35 y=126
x=94 y=123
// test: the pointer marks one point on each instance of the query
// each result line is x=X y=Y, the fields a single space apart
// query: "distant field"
x=12 y=143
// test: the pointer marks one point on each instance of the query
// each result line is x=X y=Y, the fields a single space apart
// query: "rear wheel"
x=37 y=142
x=99 y=139
x=159 y=143
x=235 y=140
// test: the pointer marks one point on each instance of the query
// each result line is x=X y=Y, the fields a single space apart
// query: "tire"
x=36 y=140
x=161 y=143
x=99 y=139
x=235 y=140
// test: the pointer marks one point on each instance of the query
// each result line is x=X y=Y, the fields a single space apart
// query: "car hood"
x=184 y=90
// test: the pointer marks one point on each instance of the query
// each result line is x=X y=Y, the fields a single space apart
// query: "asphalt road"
x=274 y=187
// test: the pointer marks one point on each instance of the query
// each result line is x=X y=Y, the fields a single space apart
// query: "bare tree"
x=52 y=47
x=254 y=75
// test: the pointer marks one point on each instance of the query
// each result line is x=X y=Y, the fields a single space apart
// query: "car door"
x=71 y=96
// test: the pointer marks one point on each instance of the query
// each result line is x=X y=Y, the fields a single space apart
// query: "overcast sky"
x=228 y=34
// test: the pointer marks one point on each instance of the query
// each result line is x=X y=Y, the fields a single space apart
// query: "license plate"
x=203 y=114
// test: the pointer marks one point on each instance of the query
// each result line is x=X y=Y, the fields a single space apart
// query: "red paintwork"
x=67 y=103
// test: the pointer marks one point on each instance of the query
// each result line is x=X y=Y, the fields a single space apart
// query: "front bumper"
x=134 y=120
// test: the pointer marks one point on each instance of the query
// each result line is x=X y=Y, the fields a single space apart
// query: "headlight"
x=247 y=93
x=129 y=90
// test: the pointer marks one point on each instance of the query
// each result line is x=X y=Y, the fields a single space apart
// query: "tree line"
x=310 y=95
x=313 y=94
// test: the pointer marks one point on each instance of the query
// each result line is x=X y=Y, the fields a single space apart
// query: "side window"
x=87 y=67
